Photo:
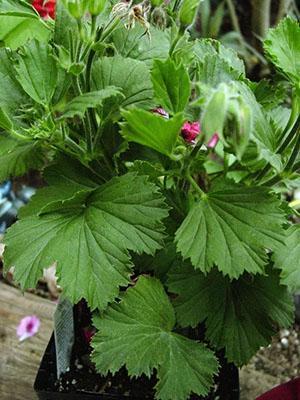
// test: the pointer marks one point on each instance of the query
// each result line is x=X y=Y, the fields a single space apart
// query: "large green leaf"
x=12 y=94
x=18 y=156
x=80 y=104
x=134 y=44
x=231 y=227
x=172 y=87
x=67 y=180
x=131 y=76
x=137 y=333
x=89 y=238
x=37 y=72
x=283 y=47
x=19 y=23
x=152 y=130
x=240 y=315
x=287 y=258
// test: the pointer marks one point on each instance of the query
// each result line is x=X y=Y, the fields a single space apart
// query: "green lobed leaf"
x=12 y=94
x=67 y=180
x=65 y=29
x=89 y=238
x=80 y=104
x=240 y=315
x=37 y=72
x=20 y=23
x=211 y=48
x=287 y=258
x=152 y=130
x=282 y=45
x=132 y=43
x=5 y=122
x=231 y=227
x=171 y=83
x=213 y=70
x=18 y=156
x=131 y=76
x=137 y=333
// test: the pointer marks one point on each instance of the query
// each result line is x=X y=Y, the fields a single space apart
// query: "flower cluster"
x=190 y=130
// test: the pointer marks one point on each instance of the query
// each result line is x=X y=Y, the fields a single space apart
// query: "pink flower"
x=190 y=131
x=214 y=140
x=28 y=327
x=161 y=111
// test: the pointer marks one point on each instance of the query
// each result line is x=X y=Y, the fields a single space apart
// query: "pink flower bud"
x=190 y=131
x=214 y=140
x=28 y=327
x=161 y=111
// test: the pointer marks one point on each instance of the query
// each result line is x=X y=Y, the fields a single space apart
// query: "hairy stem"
x=261 y=18
x=283 y=9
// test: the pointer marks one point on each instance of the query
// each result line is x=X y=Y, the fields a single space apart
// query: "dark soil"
x=82 y=376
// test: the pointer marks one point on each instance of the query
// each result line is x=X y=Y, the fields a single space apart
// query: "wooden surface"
x=19 y=361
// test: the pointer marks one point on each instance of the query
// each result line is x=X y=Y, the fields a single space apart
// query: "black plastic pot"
x=228 y=384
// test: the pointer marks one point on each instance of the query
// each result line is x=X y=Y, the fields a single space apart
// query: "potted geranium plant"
x=163 y=168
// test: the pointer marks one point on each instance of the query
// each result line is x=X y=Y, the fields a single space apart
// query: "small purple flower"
x=214 y=140
x=161 y=111
x=190 y=131
x=28 y=327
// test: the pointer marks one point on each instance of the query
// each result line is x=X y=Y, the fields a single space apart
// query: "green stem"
x=175 y=41
x=292 y=119
x=294 y=155
x=195 y=185
x=261 y=14
x=226 y=163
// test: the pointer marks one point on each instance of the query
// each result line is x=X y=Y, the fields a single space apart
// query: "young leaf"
x=141 y=325
x=283 y=47
x=37 y=72
x=19 y=23
x=80 y=104
x=240 y=315
x=18 y=156
x=287 y=258
x=131 y=76
x=231 y=228
x=152 y=130
x=172 y=87
x=89 y=238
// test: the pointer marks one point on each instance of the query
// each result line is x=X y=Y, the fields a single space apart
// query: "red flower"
x=190 y=131
x=46 y=9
